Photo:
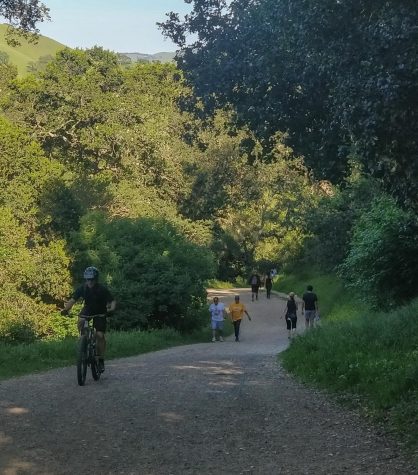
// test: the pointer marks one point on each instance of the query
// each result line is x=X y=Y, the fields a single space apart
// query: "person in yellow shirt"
x=236 y=312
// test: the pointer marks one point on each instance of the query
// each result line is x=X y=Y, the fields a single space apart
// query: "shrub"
x=382 y=262
x=157 y=275
x=24 y=320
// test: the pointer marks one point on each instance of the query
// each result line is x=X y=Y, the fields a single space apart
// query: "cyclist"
x=97 y=300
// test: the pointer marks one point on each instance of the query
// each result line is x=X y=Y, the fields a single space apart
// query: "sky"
x=123 y=26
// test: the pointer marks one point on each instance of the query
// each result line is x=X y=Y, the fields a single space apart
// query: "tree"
x=255 y=206
x=337 y=76
x=23 y=16
x=4 y=58
x=158 y=275
x=40 y=65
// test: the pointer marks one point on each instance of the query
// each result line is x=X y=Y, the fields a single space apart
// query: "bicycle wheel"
x=82 y=360
x=94 y=364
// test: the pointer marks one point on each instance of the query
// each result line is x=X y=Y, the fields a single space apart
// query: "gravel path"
x=213 y=408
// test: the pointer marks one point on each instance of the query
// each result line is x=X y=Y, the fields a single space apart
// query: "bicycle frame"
x=87 y=350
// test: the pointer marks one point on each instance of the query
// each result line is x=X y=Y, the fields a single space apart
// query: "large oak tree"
x=340 y=77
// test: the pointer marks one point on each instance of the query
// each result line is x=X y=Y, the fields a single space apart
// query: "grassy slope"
x=369 y=359
x=22 y=55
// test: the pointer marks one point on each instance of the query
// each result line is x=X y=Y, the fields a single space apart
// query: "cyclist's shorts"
x=99 y=324
x=216 y=325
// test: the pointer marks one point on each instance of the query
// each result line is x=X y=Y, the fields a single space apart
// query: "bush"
x=331 y=222
x=157 y=276
x=382 y=262
x=23 y=320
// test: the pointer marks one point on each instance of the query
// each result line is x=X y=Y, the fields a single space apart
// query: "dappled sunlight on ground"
x=16 y=411
x=5 y=439
x=219 y=370
x=17 y=467
x=171 y=417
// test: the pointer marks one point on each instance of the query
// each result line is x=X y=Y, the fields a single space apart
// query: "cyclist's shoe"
x=101 y=365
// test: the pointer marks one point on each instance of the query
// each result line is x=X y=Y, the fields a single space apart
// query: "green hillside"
x=27 y=53
x=163 y=57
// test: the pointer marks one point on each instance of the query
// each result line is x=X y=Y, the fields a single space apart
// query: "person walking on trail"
x=268 y=284
x=97 y=301
x=291 y=314
x=310 y=306
x=236 y=312
x=217 y=312
x=255 y=282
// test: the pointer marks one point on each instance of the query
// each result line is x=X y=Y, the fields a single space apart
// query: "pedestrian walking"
x=291 y=314
x=255 y=282
x=236 y=312
x=310 y=307
x=269 y=285
x=217 y=312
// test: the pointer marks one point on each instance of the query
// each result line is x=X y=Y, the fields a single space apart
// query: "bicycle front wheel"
x=82 y=360
x=94 y=364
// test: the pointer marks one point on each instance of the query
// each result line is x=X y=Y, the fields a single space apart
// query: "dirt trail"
x=213 y=408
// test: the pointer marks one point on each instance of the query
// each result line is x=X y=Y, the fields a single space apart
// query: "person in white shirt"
x=217 y=312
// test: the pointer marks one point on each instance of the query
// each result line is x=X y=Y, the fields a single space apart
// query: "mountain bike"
x=86 y=350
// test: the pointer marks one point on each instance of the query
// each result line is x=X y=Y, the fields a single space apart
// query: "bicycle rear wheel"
x=82 y=360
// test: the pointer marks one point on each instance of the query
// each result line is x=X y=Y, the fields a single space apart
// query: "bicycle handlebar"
x=89 y=317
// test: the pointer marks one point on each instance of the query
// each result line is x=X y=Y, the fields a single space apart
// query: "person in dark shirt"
x=255 y=283
x=268 y=284
x=310 y=306
x=97 y=300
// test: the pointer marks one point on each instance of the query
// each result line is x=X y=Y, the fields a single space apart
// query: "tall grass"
x=219 y=284
x=369 y=359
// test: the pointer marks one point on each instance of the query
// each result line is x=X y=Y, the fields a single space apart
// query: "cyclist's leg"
x=100 y=326
x=100 y=344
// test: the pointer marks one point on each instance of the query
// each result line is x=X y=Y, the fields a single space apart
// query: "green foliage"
x=40 y=65
x=24 y=171
x=219 y=284
x=24 y=320
x=157 y=276
x=382 y=262
x=255 y=207
x=331 y=222
x=288 y=66
x=4 y=58
x=7 y=74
